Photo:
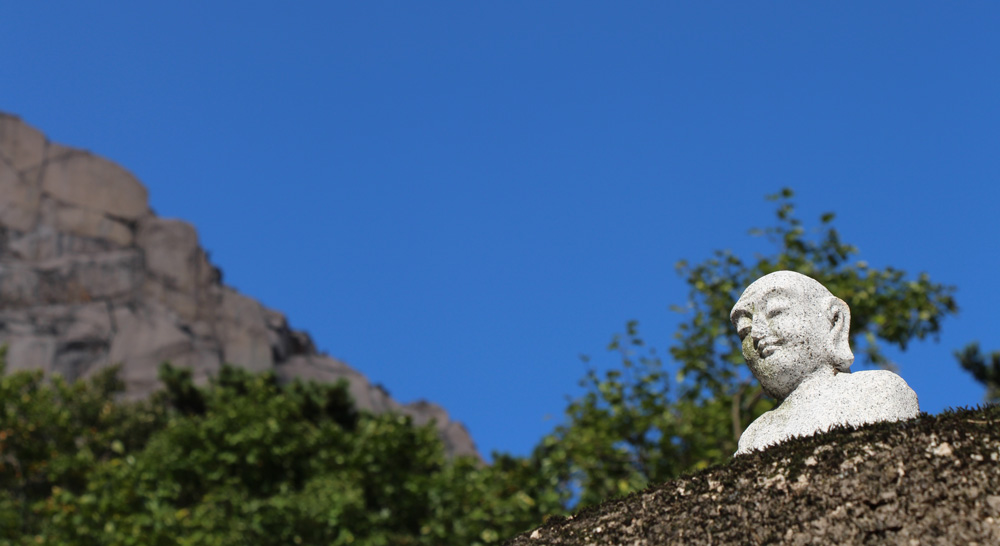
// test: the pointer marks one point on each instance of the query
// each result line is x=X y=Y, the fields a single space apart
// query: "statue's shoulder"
x=874 y=379
x=881 y=391
x=768 y=429
x=749 y=440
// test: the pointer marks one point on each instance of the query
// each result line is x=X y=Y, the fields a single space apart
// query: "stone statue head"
x=791 y=328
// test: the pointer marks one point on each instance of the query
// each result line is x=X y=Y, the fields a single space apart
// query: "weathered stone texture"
x=145 y=336
x=242 y=329
x=89 y=277
x=31 y=351
x=84 y=180
x=329 y=370
x=19 y=208
x=933 y=480
x=88 y=224
x=21 y=146
x=456 y=437
x=173 y=255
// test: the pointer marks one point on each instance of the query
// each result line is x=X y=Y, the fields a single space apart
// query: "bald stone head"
x=792 y=328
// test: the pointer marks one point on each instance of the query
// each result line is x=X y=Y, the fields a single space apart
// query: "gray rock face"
x=89 y=276
x=795 y=339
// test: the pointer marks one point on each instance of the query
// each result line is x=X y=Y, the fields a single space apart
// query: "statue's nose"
x=758 y=329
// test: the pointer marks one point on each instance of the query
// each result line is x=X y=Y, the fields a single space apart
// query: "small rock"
x=943 y=450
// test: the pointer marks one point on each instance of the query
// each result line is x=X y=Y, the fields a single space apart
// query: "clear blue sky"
x=460 y=198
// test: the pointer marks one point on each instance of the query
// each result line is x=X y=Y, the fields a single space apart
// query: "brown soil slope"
x=930 y=480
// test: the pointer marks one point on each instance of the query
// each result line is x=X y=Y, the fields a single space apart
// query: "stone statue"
x=795 y=340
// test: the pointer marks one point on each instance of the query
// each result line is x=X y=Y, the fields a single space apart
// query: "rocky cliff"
x=929 y=480
x=90 y=277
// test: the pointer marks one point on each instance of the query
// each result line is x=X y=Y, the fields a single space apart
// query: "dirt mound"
x=930 y=480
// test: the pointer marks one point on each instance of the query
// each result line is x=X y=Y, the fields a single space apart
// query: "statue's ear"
x=840 y=329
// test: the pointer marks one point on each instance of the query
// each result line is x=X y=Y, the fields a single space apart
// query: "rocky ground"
x=90 y=277
x=930 y=480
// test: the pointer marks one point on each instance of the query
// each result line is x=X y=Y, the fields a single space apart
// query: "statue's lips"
x=767 y=346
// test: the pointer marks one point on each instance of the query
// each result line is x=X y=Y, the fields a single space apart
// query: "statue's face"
x=784 y=329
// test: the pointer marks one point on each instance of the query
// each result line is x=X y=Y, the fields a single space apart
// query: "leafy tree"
x=53 y=433
x=984 y=368
x=243 y=460
x=646 y=422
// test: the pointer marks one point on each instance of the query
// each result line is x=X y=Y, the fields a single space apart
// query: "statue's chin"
x=767 y=370
x=777 y=378
x=765 y=382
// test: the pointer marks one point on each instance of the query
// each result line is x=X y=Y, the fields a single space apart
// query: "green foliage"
x=985 y=368
x=242 y=460
x=642 y=422
x=52 y=432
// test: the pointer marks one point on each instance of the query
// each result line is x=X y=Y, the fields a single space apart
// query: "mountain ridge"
x=90 y=276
